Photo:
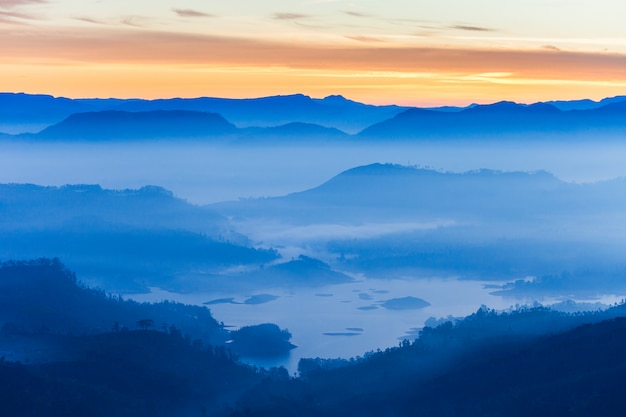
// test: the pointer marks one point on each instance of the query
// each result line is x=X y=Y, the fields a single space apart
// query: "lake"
x=347 y=320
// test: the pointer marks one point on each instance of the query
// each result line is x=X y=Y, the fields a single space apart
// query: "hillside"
x=32 y=113
x=392 y=220
x=120 y=125
x=122 y=240
x=70 y=351
x=503 y=120
x=514 y=364
x=388 y=191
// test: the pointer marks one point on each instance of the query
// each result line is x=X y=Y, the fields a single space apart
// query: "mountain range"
x=394 y=220
x=390 y=191
x=501 y=119
x=298 y=117
x=31 y=113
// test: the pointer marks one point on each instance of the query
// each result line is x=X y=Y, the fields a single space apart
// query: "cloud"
x=551 y=47
x=104 y=45
x=356 y=14
x=275 y=232
x=16 y=15
x=132 y=21
x=9 y=17
x=89 y=20
x=8 y=4
x=361 y=38
x=191 y=13
x=290 y=16
x=471 y=28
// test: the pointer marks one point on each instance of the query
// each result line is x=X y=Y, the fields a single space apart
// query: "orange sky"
x=457 y=62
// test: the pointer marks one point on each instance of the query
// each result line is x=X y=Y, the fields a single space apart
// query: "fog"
x=429 y=251
x=209 y=173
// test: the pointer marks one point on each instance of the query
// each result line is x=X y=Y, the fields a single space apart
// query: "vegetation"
x=68 y=350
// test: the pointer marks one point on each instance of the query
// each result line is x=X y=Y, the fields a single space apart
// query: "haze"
x=205 y=174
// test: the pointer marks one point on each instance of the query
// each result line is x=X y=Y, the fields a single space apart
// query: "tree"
x=145 y=323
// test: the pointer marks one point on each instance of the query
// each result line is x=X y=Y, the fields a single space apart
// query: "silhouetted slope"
x=67 y=350
x=123 y=240
x=485 y=365
x=31 y=113
x=121 y=125
x=499 y=120
x=132 y=260
x=529 y=361
x=332 y=111
x=261 y=340
x=42 y=296
x=386 y=219
x=80 y=206
x=387 y=192
x=301 y=272
x=394 y=192
x=584 y=104
x=293 y=132
x=126 y=373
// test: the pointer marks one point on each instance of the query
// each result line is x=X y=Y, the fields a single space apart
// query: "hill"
x=123 y=240
x=528 y=362
x=122 y=125
x=502 y=119
x=385 y=219
x=395 y=192
x=32 y=113
x=69 y=350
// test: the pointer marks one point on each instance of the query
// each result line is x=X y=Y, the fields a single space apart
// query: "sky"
x=419 y=52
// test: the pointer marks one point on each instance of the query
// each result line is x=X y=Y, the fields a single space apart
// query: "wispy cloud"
x=17 y=15
x=357 y=14
x=368 y=39
x=551 y=47
x=89 y=20
x=191 y=13
x=290 y=16
x=7 y=4
x=134 y=21
x=472 y=28
x=104 y=45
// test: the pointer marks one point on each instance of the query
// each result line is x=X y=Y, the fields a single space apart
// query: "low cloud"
x=9 y=17
x=8 y=4
x=471 y=28
x=551 y=47
x=274 y=233
x=89 y=20
x=132 y=21
x=290 y=16
x=368 y=39
x=191 y=13
x=356 y=14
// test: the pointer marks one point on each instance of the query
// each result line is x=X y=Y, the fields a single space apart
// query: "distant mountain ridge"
x=498 y=119
x=297 y=117
x=123 y=125
x=19 y=111
x=380 y=191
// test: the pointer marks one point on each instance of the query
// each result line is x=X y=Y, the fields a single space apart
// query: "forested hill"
x=532 y=362
x=71 y=351
x=43 y=296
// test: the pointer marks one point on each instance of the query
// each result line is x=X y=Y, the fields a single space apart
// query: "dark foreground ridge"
x=71 y=351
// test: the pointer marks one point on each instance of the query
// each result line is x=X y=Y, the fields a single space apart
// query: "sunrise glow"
x=425 y=53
